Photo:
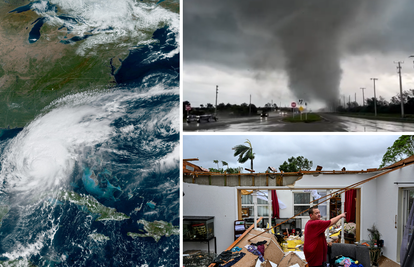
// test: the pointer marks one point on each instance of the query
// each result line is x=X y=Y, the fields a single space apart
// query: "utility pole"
x=349 y=102
x=401 y=95
x=375 y=97
x=355 y=97
x=250 y=106
x=215 y=113
x=363 y=98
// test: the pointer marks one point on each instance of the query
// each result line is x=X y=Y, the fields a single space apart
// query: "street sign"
x=300 y=101
x=188 y=107
x=293 y=104
x=301 y=108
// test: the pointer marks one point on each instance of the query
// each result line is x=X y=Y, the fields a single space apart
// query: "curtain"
x=275 y=205
x=350 y=205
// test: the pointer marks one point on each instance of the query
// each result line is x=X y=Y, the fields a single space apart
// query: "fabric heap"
x=344 y=261
x=253 y=249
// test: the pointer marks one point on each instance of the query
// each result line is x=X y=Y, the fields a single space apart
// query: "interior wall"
x=220 y=202
x=368 y=207
x=387 y=208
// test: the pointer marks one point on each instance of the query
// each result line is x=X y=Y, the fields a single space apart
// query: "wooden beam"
x=192 y=159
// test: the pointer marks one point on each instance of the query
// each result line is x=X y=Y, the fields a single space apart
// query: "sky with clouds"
x=284 y=50
x=332 y=152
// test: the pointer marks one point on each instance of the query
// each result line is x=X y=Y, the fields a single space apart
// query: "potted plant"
x=374 y=235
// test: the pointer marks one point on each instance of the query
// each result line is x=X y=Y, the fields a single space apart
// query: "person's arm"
x=337 y=218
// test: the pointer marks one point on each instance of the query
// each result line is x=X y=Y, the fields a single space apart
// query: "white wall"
x=387 y=207
x=368 y=207
x=220 y=202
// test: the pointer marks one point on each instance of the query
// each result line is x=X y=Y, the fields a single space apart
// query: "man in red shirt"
x=315 y=246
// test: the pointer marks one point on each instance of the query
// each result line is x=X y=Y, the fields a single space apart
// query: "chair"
x=357 y=252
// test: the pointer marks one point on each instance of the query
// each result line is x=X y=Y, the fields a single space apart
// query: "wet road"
x=364 y=125
x=274 y=123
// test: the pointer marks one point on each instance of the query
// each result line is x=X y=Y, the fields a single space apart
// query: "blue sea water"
x=119 y=146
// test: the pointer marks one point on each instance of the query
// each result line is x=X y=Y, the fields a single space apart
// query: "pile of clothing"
x=341 y=261
x=228 y=258
x=257 y=249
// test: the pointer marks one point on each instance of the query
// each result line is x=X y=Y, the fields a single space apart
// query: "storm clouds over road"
x=289 y=49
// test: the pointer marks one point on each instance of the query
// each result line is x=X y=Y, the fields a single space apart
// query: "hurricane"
x=93 y=178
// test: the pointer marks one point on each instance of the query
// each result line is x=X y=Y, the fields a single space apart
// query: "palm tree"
x=216 y=161
x=244 y=152
x=225 y=164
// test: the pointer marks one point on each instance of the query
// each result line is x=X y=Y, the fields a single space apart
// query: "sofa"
x=357 y=252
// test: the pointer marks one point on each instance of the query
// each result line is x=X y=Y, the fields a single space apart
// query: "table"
x=374 y=254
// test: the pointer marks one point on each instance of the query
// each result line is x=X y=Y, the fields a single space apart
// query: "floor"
x=198 y=258
x=385 y=262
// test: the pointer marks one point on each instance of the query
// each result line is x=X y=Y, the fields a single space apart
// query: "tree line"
x=383 y=106
x=243 y=109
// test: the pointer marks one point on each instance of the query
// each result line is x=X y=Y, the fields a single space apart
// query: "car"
x=264 y=115
x=207 y=118
x=191 y=118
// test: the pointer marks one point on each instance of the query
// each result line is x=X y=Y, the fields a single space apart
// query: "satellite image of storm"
x=89 y=133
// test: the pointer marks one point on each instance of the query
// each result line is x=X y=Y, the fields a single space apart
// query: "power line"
x=363 y=98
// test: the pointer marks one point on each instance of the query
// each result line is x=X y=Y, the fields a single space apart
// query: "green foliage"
x=402 y=148
x=228 y=170
x=374 y=234
x=311 y=117
x=296 y=164
x=244 y=153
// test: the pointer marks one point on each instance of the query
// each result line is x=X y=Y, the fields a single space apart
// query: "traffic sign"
x=188 y=107
x=301 y=108
x=293 y=104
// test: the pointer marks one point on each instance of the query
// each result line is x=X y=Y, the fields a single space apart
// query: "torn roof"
x=406 y=161
x=199 y=170
x=190 y=168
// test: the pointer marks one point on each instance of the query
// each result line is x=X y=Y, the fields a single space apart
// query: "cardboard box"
x=290 y=259
x=273 y=251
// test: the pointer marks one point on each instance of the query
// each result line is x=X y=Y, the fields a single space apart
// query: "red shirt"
x=315 y=246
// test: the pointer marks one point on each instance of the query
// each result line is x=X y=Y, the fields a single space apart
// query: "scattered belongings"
x=264 y=251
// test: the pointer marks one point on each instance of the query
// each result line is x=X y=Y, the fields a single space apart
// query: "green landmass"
x=156 y=230
x=3 y=212
x=310 y=117
x=33 y=75
x=99 y=237
x=93 y=206
x=17 y=263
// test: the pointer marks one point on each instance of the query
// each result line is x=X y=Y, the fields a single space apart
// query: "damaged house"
x=380 y=197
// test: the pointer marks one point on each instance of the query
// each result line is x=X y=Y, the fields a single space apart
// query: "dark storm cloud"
x=307 y=39
x=354 y=152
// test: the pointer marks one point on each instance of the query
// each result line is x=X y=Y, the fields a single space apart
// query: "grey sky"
x=282 y=50
x=354 y=152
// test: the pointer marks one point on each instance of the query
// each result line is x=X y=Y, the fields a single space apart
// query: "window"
x=259 y=202
x=301 y=201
